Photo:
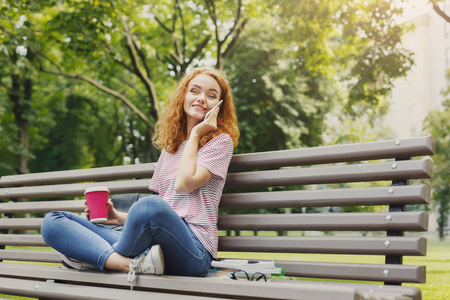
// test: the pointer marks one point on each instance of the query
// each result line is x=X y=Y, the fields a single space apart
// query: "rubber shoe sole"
x=71 y=263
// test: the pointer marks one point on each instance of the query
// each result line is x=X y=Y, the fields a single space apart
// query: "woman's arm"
x=190 y=176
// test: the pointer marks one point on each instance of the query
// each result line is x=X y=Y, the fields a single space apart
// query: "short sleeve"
x=155 y=181
x=216 y=155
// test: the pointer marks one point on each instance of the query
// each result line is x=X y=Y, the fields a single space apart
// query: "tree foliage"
x=273 y=110
x=112 y=64
x=127 y=55
x=17 y=78
x=355 y=43
x=309 y=62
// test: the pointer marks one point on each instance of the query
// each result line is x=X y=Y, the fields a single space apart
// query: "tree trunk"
x=21 y=108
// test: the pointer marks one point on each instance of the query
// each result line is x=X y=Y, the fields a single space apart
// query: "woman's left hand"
x=115 y=217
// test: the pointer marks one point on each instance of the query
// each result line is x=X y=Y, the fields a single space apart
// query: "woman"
x=179 y=224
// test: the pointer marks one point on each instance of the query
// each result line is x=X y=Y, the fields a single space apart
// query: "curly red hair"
x=171 y=129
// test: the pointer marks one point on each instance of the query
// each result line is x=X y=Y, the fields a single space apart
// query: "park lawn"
x=437 y=263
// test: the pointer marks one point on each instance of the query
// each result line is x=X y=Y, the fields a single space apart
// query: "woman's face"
x=203 y=93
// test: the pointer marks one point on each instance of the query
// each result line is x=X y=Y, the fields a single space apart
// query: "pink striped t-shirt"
x=200 y=207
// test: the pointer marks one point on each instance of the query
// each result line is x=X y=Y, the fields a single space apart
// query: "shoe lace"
x=139 y=265
x=134 y=267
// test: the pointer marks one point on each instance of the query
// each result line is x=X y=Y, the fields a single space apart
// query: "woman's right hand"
x=207 y=125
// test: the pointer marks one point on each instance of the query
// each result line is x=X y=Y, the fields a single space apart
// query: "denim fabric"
x=150 y=221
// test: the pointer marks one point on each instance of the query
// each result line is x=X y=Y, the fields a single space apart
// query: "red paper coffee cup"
x=96 y=198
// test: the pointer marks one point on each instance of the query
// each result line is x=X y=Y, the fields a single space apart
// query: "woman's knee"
x=49 y=219
x=53 y=221
x=151 y=207
x=48 y=224
x=55 y=216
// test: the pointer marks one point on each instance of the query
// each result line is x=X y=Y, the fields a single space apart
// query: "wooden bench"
x=296 y=181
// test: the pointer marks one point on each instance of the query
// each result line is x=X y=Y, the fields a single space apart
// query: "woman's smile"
x=199 y=107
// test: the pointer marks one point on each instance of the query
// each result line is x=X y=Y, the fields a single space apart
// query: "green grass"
x=437 y=263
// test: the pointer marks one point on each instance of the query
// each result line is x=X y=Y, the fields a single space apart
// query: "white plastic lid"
x=96 y=189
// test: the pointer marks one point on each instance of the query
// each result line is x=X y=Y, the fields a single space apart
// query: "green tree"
x=311 y=61
x=125 y=53
x=135 y=52
x=437 y=125
x=81 y=136
x=273 y=110
x=356 y=44
x=17 y=79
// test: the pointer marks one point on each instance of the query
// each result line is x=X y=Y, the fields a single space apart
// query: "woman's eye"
x=194 y=91
x=212 y=96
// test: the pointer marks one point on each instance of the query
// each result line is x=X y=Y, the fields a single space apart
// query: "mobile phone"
x=212 y=109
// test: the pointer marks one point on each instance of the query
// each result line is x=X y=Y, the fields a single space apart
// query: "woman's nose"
x=201 y=97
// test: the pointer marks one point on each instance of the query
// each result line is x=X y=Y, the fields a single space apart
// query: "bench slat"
x=330 y=245
x=188 y=285
x=75 y=189
x=337 y=153
x=22 y=240
x=390 y=195
x=355 y=271
x=42 y=206
x=404 y=221
x=94 y=174
x=330 y=270
x=415 y=169
x=30 y=255
x=337 y=245
x=21 y=223
x=371 y=289
x=52 y=290
x=415 y=246
x=395 y=195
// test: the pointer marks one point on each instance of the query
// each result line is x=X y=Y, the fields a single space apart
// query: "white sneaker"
x=150 y=262
x=71 y=263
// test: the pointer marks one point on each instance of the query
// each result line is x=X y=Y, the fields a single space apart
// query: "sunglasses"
x=255 y=277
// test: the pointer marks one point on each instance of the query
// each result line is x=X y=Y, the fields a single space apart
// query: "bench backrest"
x=314 y=197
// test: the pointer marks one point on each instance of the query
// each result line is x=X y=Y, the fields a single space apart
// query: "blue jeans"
x=150 y=221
